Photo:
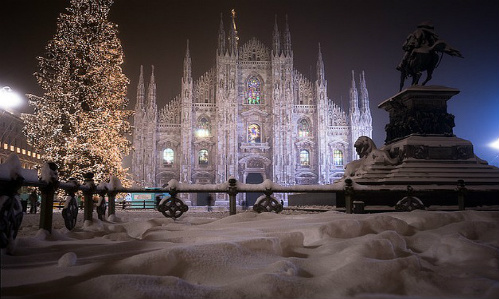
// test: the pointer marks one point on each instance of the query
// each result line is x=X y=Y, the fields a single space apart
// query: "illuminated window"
x=304 y=158
x=5 y=146
x=18 y=150
x=38 y=156
x=168 y=157
x=254 y=133
x=337 y=158
x=203 y=128
x=303 y=128
x=29 y=153
x=253 y=92
x=24 y=151
x=203 y=157
x=11 y=148
x=34 y=155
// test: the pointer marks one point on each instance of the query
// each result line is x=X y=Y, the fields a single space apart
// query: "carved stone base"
x=419 y=110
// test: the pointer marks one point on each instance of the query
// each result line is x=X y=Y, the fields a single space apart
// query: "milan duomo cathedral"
x=253 y=116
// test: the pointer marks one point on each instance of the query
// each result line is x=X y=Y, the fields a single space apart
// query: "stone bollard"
x=358 y=207
x=51 y=178
x=232 y=191
x=88 y=206
x=348 y=195
x=461 y=194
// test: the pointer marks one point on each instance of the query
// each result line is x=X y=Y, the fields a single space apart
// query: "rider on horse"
x=421 y=54
x=423 y=36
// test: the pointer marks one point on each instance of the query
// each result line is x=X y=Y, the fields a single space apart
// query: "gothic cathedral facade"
x=253 y=116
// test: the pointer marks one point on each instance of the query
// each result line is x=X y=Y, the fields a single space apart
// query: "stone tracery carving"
x=254 y=50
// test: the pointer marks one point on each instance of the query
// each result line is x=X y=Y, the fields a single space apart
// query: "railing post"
x=51 y=178
x=114 y=183
x=232 y=196
x=111 y=201
x=101 y=204
x=88 y=206
x=348 y=196
x=461 y=192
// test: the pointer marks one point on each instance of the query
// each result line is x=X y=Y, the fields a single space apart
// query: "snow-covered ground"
x=141 y=254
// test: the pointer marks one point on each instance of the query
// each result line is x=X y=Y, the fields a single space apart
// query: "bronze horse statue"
x=425 y=58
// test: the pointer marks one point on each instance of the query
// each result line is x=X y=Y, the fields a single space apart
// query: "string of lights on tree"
x=80 y=122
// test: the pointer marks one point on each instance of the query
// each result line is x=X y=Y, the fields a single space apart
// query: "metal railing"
x=349 y=195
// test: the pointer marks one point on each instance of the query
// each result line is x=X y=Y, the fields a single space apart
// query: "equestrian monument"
x=420 y=146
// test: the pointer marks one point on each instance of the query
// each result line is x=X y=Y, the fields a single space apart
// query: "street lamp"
x=9 y=99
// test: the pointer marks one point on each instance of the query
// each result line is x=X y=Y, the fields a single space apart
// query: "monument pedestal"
x=420 y=147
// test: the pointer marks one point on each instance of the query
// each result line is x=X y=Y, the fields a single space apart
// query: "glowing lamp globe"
x=9 y=99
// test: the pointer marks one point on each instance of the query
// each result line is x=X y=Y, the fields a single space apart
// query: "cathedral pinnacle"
x=234 y=38
x=221 y=37
x=320 y=66
x=276 y=39
x=187 y=64
x=140 y=90
x=287 y=40
x=151 y=93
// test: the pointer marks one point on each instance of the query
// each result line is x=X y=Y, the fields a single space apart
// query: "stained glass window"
x=337 y=158
x=253 y=91
x=303 y=128
x=254 y=133
x=168 y=157
x=304 y=158
x=203 y=157
x=203 y=129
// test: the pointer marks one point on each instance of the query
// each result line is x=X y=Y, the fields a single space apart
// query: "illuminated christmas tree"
x=80 y=122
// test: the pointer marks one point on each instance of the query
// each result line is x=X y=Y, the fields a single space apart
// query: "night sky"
x=354 y=35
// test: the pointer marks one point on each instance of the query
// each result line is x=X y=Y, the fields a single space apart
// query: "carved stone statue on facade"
x=422 y=48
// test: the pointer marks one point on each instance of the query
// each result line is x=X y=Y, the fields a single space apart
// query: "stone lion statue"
x=369 y=155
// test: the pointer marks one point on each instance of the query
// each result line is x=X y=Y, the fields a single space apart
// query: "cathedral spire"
x=354 y=100
x=287 y=40
x=364 y=99
x=151 y=93
x=187 y=65
x=221 y=37
x=320 y=66
x=234 y=38
x=276 y=39
x=140 y=90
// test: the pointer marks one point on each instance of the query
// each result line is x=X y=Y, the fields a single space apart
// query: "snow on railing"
x=13 y=177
